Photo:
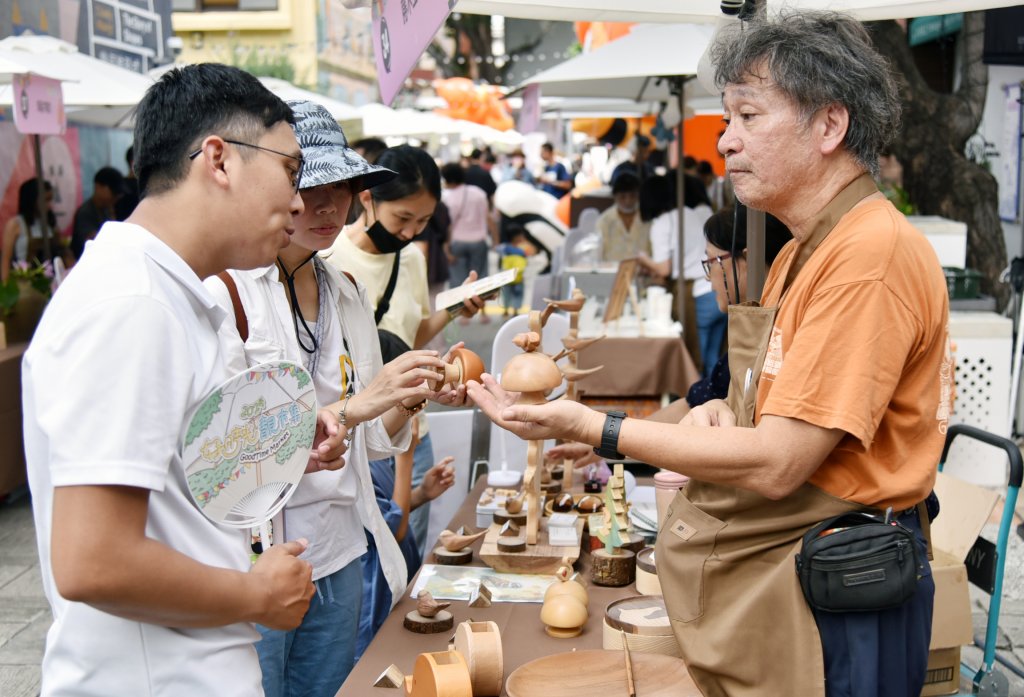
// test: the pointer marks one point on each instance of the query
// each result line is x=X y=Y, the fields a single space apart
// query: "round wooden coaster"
x=512 y=544
x=441 y=622
x=552 y=487
x=443 y=556
x=501 y=517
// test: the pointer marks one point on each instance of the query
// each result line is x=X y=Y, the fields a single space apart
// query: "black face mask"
x=384 y=241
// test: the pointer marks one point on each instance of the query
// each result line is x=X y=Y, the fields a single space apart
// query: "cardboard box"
x=964 y=510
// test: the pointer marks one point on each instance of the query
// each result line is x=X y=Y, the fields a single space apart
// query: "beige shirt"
x=618 y=242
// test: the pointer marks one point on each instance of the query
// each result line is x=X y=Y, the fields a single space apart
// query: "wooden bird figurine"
x=427 y=606
x=454 y=541
x=514 y=505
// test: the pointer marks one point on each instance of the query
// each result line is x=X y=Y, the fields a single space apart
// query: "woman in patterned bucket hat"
x=301 y=309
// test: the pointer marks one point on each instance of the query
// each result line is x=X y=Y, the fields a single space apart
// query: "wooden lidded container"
x=480 y=644
x=644 y=619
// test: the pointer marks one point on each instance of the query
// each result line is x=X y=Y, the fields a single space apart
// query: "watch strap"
x=609 y=448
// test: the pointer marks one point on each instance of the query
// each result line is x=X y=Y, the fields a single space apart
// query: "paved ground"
x=25 y=616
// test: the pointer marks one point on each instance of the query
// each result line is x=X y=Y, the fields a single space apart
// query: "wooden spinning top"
x=465 y=365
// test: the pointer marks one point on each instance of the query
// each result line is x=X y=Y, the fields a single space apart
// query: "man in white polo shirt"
x=148 y=596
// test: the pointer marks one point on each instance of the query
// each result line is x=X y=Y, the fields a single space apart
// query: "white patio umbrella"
x=286 y=91
x=95 y=92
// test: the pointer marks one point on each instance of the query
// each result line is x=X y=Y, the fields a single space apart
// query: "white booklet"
x=452 y=299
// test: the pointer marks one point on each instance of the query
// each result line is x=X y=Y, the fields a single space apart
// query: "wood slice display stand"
x=501 y=517
x=441 y=622
x=540 y=558
x=511 y=544
x=444 y=557
x=617 y=569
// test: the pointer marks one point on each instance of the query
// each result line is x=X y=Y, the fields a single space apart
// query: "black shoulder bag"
x=391 y=345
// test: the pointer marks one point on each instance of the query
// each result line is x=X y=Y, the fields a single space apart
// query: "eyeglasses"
x=706 y=262
x=295 y=176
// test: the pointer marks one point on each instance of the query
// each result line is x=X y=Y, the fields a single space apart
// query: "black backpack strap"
x=385 y=300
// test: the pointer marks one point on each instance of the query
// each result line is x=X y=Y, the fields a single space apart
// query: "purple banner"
x=402 y=30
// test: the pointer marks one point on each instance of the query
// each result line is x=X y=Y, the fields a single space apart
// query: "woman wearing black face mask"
x=376 y=246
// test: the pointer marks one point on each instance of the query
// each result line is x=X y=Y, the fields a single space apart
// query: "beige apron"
x=726 y=555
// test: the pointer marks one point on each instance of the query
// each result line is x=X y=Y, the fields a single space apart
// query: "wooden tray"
x=589 y=673
x=540 y=558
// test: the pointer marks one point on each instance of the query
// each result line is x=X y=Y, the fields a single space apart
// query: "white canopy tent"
x=95 y=92
x=384 y=122
x=287 y=91
x=675 y=11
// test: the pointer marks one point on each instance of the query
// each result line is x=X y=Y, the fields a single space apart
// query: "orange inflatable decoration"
x=593 y=35
x=477 y=103
x=615 y=131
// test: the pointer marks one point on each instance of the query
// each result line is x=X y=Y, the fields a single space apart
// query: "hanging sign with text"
x=402 y=30
x=38 y=105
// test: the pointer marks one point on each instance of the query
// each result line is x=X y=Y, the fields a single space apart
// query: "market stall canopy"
x=633 y=67
x=287 y=91
x=384 y=122
x=674 y=11
x=95 y=92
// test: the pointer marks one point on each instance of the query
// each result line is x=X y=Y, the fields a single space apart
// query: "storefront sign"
x=925 y=29
x=38 y=105
x=127 y=33
x=402 y=30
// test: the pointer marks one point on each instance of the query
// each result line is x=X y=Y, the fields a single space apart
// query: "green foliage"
x=38 y=276
x=262 y=63
x=899 y=197
x=204 y=416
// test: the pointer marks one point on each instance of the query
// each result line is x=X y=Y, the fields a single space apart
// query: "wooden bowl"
x=601 y=673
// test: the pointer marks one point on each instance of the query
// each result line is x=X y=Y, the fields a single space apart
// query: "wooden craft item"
x=427 y=606
x=455 y=541
x=562 y=520
x=509 y=529
x=620 y=289
x=391 y=677
x=630 y=683
x=440 y=622
x=589 y=504
x=563 y=537
x=551 y=488
x=441 y=674
x=465 y=365
x=501 y=517
x=480 y=644
x=647 y=582
x=480 y=596
x=598 y=672
x=512 y=545
x=617 y=568
x=633 y=541
x=558 y=472
x=445 y=557
x=644 y=621
x=541 y=558
x=563 y=616
x=563 y=503
x=514 y=505
x=566 y=584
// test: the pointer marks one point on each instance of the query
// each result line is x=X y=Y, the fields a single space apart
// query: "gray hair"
x=817 y=59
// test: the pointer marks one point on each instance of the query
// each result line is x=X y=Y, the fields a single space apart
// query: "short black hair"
x=719 y=230
x=476 y=154
x=453 y=173
x=548 y=146
x=28 y=199
x=129 y=157
x=110 y=178
x=490 y=158
x=689 y=162
x=190 y=103
x=625 y=183
x=704 y=167
x=416 y=170
x=371 y=148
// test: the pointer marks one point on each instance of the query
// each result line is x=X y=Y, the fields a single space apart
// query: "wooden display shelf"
x=540 y=558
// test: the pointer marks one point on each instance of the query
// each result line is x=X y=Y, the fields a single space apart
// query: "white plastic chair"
x=450 y=434
x=587 y=220
x=506 y=447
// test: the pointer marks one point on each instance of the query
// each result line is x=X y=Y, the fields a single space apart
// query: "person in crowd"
x=658 y=204
x=370 y=148
x=513 y=255
x=478 y=172
x=149 y=596
x=467 y=206
x=690 y=165
x=107 y=186
x=638 y=165
x=375 y=249
x=624 y=234
x=713 y=184
x=129 y=198
x=725 y=266
x=300 y=309
x=845 y=410
x=516 y=169
x=556 y=179
x=433 y=243
x=23 y=233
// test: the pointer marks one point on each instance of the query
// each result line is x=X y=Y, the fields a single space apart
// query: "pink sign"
x=529 y=113
x=402 y=29
x=38 y=105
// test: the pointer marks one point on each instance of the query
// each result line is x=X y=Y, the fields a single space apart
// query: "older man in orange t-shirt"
x=845 y=407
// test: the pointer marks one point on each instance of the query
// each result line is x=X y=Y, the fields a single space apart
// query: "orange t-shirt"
x=860 y=343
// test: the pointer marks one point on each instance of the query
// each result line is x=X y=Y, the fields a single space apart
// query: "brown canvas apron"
x=726 y=555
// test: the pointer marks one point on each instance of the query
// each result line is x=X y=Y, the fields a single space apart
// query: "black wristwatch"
x=609 y=448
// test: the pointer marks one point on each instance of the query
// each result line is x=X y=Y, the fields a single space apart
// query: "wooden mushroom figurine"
x=465 y=365
x=563 y=616
x=567 y=585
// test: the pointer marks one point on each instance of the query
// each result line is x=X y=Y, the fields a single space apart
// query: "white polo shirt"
x=665 y=244
x=125 y=350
